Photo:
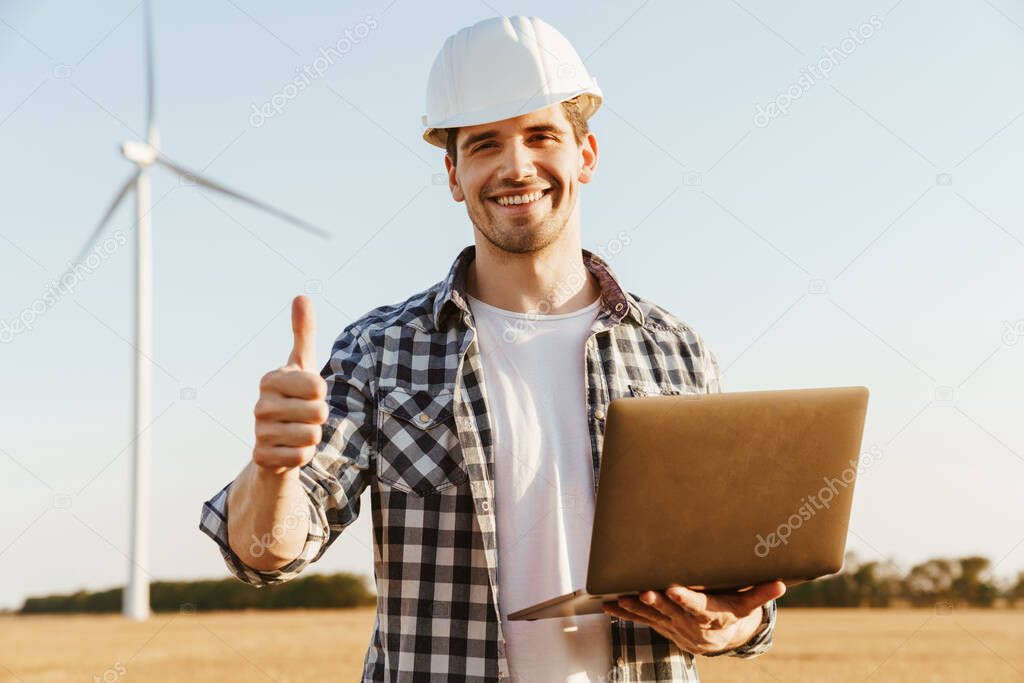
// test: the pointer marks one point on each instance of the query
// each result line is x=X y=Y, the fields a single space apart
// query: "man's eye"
x=542 y=136
x=486 y=144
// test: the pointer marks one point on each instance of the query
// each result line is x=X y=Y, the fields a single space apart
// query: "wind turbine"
x=135 y=598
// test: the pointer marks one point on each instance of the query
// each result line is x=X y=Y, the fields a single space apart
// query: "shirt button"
x=424 y=417
x=485 y=506
x=619 y=662
x=599 y=413
x=618 y=307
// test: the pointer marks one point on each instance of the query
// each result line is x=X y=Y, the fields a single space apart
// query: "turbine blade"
x=106 y=217
x=205 y=182
x=147 y=32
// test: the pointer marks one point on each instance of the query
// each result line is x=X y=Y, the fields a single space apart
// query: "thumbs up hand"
x=292 y=407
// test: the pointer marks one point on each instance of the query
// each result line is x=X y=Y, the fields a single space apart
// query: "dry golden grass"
x=831 y=645
x=884 y=646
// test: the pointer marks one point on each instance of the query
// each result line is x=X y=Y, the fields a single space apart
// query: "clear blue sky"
x=820 y=249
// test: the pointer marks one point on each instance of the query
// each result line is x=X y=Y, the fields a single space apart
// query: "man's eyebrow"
x=488 y=134
x=473 y=139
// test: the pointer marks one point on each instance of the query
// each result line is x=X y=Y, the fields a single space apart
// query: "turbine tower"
x=135 y=598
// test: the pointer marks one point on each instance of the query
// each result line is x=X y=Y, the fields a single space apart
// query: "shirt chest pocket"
x=417 y=441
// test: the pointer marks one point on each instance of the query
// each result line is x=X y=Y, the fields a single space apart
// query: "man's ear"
x=453 y=180
x=588 y=158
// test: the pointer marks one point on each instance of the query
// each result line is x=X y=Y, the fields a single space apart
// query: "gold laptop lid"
x=725 y=490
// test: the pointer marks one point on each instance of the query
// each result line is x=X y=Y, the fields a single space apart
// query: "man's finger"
x=694 y=602
x=306 y=385
x=697 y=602
x=660 y=602
x=304 y=333
x=760 y=594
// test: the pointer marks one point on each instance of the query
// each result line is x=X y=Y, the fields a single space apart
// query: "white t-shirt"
x=544 y=487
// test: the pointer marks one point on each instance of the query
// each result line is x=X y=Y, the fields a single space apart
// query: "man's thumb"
x=304 y=331
x=764 y=592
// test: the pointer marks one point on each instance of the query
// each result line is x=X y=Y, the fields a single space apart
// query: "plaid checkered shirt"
x=408 y=418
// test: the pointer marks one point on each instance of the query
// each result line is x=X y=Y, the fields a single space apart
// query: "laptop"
x=719 y=492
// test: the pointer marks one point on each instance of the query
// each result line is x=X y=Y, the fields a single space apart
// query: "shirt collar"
x=616 y=302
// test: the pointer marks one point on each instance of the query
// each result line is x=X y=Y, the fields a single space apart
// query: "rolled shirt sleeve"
x=336 y=476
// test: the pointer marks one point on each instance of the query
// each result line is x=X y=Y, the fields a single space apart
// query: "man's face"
x=533 y=158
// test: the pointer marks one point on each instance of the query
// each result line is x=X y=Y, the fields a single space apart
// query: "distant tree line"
x=316 y=590
x=964 y=581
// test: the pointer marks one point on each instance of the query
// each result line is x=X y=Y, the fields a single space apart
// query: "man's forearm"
x=268 y=517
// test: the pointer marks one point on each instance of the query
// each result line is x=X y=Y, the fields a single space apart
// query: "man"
x=474 y=410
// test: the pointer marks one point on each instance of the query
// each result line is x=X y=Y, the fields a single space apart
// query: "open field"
x=833 y=645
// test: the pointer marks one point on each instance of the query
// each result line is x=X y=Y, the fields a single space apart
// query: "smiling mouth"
x=520 y=202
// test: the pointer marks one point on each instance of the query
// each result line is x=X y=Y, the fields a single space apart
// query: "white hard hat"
x=501 y=68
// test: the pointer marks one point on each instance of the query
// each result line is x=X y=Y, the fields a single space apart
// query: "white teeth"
x=520 y=199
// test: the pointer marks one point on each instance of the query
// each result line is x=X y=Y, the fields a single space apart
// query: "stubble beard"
x=518 y=235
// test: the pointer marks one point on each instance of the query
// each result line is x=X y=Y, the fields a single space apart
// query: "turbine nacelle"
x=141 y=153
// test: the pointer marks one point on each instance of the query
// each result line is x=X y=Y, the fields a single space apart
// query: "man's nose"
x=516 y=162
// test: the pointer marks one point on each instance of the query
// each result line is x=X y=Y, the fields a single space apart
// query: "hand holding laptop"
x=699 y=622
x=712 y=492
